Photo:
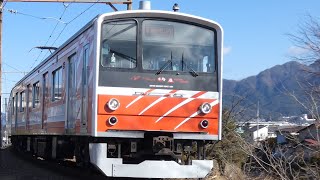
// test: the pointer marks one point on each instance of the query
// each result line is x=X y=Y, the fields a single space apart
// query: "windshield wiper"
x=192 y=71
x=164 y=66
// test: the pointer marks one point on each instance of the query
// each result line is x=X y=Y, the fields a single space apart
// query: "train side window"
x=22 y=101
x=85 y=64
x=13 y=106
x=57 y=84
x=16 y=104
x=29 y=104
x=36 y=94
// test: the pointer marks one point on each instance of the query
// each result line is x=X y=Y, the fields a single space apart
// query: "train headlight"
x=112 y=120
x=205 y=108
x=113 y=104
x=204 y=123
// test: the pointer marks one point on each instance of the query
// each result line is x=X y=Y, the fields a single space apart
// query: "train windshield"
x=158 y=53
x=173 y=46
x=119 y=44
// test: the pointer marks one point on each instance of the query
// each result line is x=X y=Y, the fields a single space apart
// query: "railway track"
x=19 y=166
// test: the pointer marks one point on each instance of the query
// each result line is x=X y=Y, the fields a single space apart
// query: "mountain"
x=271 y=89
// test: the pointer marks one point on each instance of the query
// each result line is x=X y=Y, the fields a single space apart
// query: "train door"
x=84 y=90
x=44 y=101
x=71 y=94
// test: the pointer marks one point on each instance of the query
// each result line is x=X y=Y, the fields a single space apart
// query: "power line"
x=12 y=11
x=42 y=18
x=75 y=19
x=55 y=27
x=12 y=67
x=83 y=12
x=69 y=22
x=5 y=79
x=59 y=20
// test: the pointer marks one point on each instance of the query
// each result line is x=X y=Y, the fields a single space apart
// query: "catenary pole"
x=1 y=130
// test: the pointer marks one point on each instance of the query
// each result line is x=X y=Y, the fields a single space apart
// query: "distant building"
x=257 y=133
x=272 y=131
x=300 y=120
x=259 y=130
x=288 y=134
x=310 y=134
x=305 y=117
x=267 y=123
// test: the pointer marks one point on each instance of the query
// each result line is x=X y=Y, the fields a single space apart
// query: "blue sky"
x=255 y=31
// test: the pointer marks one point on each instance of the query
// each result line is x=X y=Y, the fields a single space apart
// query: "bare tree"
x=268 y=159
x=307 y=39
x=295 y=159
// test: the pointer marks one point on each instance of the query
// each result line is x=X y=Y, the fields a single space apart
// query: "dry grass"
x=231 y=173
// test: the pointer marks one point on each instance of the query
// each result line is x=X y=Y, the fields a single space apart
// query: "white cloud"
x=227 y=50
x=296 y=51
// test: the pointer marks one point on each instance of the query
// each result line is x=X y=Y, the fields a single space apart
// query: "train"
x=134 y=93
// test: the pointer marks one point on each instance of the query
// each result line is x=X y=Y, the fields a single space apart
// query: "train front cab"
x=158 y=94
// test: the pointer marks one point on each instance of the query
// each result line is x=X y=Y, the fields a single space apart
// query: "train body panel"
x=40 y=108
x=131 y=90
x=158 y=110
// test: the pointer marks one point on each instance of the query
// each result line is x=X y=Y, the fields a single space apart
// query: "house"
x=287 y=134
x=257 y=133
x=310 y=134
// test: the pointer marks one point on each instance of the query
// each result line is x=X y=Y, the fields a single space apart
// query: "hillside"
x=270 y=87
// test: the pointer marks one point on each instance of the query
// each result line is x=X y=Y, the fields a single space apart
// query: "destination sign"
x=164 y=31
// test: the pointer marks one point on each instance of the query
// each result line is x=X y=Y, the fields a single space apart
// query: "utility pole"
x=1 y=3
x=258 y=118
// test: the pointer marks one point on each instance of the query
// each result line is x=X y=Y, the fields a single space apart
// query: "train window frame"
x=36 y=94
x=17 y=103
x=85 y=66
x=22 y=98
x=56 y=96
x=13 y=105
x=28 y=97
x=102 y=41
x=214 y=51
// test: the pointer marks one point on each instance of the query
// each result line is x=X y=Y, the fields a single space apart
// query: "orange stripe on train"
x=160 y=108
x=148 y=123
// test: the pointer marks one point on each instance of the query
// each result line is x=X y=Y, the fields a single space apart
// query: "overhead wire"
x=12 y=67
x=76 y=17
x=7 y=81
x=42 y=18
x=50 y=36
x=69 y=22
x=33 y=16
x=54 y=29
x=59 y=20
x=83 y=12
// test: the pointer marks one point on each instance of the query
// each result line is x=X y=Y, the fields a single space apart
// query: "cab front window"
x=118 y=47
x=174 y=46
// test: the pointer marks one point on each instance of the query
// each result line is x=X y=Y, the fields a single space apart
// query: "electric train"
x=135 y=93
